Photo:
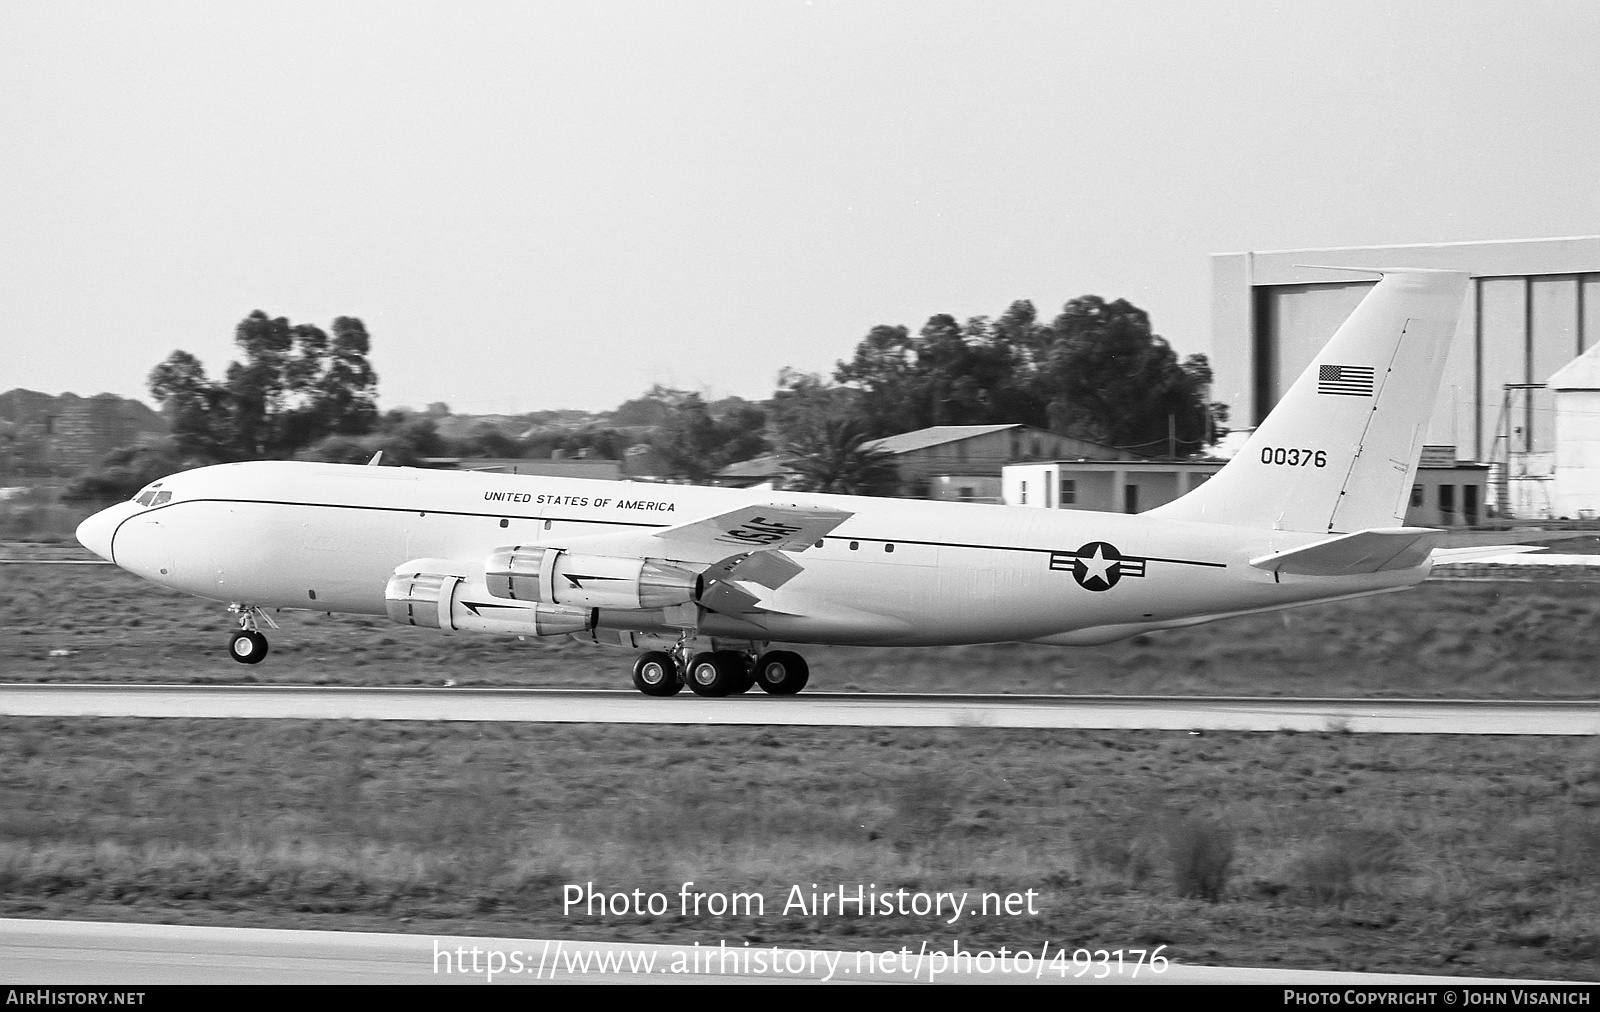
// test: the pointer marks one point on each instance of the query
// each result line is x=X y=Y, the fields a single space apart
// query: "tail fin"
x=1339 y=452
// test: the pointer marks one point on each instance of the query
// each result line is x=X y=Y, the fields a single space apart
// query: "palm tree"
x=832 y=457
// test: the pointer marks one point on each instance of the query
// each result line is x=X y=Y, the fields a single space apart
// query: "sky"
x=557 y=205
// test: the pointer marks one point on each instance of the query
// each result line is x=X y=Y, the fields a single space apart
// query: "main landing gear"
x=248 y=645
x=719 y=672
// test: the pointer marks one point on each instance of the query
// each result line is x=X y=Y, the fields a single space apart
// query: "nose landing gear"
x=248 y=645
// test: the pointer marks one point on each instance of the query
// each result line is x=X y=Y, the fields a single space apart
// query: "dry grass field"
x=98 y=623
x=1461 y=855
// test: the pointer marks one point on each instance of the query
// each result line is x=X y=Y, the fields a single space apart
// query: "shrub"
x=1200 y=851
x=1347 y=862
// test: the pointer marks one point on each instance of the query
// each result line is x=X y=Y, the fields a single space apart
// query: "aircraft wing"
x=748 y=549
x=768 y=527
x=1371 y=551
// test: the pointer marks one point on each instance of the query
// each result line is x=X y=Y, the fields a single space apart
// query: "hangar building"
x=1533 y=306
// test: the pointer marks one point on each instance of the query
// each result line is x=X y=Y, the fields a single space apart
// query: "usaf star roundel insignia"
x=1097 y=566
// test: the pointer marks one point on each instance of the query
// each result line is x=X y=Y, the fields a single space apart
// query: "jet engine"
x=552 y=576
x=440 y=601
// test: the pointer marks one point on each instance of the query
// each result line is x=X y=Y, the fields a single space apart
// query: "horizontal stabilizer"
x=1481 y=552
x=1372 y=551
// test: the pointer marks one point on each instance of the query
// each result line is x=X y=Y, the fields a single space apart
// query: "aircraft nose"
x=96 y=532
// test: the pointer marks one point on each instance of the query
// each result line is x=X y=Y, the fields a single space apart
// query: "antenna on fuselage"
x=375 y=458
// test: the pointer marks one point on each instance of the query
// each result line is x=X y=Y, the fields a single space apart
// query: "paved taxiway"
x=1393 y=716
x=127 y=955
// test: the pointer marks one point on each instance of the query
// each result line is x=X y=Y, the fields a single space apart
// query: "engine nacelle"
x=552 y=576
x=439 y=601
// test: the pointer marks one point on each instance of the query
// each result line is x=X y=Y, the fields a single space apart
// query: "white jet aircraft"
x=706 y=579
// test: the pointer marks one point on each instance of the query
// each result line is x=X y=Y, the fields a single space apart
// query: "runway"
x=1192 y=713
x=128 y=955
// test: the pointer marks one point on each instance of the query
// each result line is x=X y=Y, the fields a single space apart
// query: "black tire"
x=744 y=674
x=654 y=674
x=710 y=674
x=782 y=672
x=247 y=647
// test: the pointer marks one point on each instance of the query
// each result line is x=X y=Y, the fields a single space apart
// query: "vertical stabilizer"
x=1339 y=452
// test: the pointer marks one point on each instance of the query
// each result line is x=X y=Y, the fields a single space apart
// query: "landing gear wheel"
x=742 y=664
x=782 y=672
x=654 y=674
x=247 y=646
x=712 y=674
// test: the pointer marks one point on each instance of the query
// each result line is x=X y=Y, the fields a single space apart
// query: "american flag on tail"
x=1347 y=380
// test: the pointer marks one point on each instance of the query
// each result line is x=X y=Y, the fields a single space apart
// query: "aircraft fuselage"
x=327 y=537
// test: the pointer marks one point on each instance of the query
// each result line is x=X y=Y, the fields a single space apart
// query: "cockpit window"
x=151 y=497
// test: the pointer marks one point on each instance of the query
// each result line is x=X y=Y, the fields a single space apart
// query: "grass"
x=1505 y=640
x=1466 y=854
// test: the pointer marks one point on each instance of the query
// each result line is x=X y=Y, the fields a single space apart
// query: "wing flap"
x=1378 y=550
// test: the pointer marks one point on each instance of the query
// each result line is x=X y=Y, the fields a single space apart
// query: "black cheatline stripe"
x=403 y=509
x=1011 y=548
x=631 y=523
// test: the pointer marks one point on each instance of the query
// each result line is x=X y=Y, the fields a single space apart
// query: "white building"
x=1576 y=478
x=1446 y=493
x=1108 y=486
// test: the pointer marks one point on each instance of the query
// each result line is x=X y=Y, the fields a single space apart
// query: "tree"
x=819 y=431
x=196 y=408
x=345 y=396
x=804 y=402
x=1097 y=372
x=293 y=386
x=694 y=445
x=255 y=387
x=1114 y=381
x=948 y=374
x=884 y=371
x=834 y=458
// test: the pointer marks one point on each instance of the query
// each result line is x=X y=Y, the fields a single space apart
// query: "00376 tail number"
x=1293 y=457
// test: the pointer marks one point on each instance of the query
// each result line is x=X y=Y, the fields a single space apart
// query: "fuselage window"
x=888 y=548
x=854 y=545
